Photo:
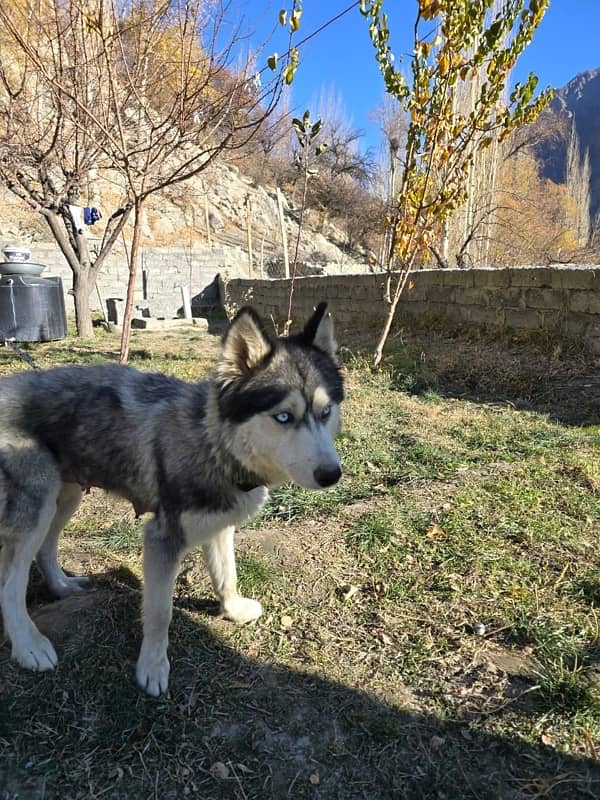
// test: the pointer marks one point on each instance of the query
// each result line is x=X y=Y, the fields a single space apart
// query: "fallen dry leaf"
x=435 y=532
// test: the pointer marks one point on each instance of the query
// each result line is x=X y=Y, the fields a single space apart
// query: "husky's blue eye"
x=284 y=418
x=326 y=412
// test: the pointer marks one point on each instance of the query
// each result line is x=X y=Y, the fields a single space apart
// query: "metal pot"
x=21 y=268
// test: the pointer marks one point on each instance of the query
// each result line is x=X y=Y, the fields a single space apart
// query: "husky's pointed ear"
x=245 y=346
x=318 y=331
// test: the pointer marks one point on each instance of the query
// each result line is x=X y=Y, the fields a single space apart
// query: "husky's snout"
x=327 y=476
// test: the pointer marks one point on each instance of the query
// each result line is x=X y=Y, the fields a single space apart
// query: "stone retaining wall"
x=561 y=300
x=160 y=270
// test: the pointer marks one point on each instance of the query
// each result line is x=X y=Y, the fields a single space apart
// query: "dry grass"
x=430 y=626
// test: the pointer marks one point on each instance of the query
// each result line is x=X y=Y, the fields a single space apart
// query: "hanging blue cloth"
x=91 y=215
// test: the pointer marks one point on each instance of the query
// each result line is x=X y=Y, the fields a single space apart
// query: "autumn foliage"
x=461 y=47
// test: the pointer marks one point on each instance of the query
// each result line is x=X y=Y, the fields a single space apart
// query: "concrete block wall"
x=164 y=267
x=562 y=300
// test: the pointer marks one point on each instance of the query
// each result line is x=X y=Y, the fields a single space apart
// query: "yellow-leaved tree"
x=457 y=44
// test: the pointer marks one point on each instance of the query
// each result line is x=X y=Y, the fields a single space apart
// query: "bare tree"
x=465 y=234
x=47 y=152
x=393 y=123
x=170 y=93
x=341 y=186
x=344 y=155
x=306 y=133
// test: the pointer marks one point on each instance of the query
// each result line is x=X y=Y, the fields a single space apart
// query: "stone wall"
x=160 y=270
x=559 y=300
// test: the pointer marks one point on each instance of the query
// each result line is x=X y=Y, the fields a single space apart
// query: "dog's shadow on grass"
x=235 y=726
x=120 y=578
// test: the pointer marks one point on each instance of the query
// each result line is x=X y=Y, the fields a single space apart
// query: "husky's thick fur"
x=199 y=457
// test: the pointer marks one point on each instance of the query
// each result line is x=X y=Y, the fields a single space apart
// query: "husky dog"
x=199 y=457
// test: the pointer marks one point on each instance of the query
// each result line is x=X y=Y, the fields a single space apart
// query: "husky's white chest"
x=200 y=527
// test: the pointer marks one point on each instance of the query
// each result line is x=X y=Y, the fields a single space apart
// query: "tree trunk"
x=80 y=270
x=392 y=303
x=133 y=264
x=445 y=245
x=85 y=274
x=81 y=296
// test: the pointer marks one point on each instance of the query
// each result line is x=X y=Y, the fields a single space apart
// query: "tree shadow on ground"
x=544 y=377
x=238 y=727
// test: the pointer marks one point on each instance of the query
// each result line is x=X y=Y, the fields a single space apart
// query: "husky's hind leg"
x=29 y=647
x=220 y=560
x=60 y=584
x=161 y=564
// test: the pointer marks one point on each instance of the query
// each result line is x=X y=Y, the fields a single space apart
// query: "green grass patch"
x=372 y=534
x=430 y=625
x=563 y=684
x=254 y=574
x=510 y=436
x=427 y=461
x=123 y=536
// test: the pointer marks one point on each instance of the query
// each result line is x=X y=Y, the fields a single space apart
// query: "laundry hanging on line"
x=91 y=215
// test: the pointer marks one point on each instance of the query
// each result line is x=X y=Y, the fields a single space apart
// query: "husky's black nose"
x=327 y=476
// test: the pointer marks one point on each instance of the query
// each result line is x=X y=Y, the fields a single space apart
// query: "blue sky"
x=341 y=57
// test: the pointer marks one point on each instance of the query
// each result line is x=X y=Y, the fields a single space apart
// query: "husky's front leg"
x=220 y=560
x=161 y=564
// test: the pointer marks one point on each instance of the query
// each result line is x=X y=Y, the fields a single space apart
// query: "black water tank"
x=32 y=309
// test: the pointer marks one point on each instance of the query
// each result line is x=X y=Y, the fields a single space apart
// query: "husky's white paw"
x=35 y=652
x=66 y=586
x=241 y=609
x=152 y=673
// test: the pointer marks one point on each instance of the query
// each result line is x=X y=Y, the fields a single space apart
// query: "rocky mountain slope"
x=578 y=102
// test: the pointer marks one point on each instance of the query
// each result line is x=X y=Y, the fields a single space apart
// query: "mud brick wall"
x=564 y=300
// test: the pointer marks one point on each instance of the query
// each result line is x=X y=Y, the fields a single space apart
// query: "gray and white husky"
x=199 y=457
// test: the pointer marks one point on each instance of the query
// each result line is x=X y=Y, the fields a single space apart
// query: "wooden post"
x=102 y=305
x=286 y=260
x=248 y=204
x=207 y=220
x=262 y=257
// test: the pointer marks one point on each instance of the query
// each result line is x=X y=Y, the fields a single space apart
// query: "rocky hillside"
x=216 y=207
x=578 y=101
